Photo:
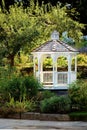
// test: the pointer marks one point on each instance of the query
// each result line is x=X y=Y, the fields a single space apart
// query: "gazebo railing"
x=47 y=78
x=62 y=77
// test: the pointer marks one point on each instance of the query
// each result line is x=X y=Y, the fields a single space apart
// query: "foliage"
x=44 y=94
x=78 y=95
x=75 y=8
x=23 y=60
x=63 y=23
x=47 y=62
x=18 y=87
x=83 y=41
x=18 y=106
x=16 y=31
x=78 y=116
x=12 y=107
x=56 y=104
x=31 y=86
x=10 y=87
x=82 y=60
x=26 y=29
x=81 y=66
x=30 y=105
x=6 y=74
x=62 y=61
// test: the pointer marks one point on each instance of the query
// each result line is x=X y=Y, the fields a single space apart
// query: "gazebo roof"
x=55 y=46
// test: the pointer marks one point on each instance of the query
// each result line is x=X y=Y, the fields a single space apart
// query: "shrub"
x=18 y=87
x=12 y=107
x=30 y=106
x=31 y=86
x=44 y=94
x=14 y=87
x=56 y=104
x=25 y=106
x=11 y=88
x=78 y=95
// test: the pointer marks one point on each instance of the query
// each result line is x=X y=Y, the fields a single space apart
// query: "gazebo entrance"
x=54 y=77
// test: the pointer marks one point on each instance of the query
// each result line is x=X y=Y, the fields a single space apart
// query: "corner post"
x=69 y=68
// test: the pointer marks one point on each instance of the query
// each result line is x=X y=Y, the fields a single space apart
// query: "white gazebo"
x=54 y=79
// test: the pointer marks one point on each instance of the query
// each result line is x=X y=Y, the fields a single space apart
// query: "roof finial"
x=55 y=35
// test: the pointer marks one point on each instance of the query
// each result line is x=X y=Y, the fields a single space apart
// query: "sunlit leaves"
x=28 y=28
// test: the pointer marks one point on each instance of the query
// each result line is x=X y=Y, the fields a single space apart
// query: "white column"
x=41 y=74
x=54 y=70
x=39 y=66
x=69 y=68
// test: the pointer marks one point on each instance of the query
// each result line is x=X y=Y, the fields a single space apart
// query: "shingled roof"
x=55 y=46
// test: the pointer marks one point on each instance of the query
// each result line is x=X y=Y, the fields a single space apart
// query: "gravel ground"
x=42 y=125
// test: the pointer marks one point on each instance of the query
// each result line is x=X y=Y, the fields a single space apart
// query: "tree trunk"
x=11 y=60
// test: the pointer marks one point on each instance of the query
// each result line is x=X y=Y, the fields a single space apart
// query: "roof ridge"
x=67 y=46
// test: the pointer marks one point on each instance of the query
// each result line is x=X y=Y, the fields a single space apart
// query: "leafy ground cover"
x=78 y=116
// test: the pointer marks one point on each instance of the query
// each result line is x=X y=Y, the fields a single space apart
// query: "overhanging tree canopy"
x=16 y=31
x=27 y=28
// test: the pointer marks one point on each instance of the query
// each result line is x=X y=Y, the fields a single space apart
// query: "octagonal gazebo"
x=54 y=79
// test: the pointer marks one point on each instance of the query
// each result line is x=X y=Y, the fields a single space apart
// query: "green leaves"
x=28 y=28
x=56 y=104
x=78 y=95
x=16 y=31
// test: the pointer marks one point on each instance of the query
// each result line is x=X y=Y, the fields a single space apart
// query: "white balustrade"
x=62 y=78
x=46 y=77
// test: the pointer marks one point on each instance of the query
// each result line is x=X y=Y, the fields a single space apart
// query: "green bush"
x=44 y=94
x=30 y=106
x=20 y=88
x=80 y=116
x=11 y=88
x=31 y=86
x=14 y=88
x=56 y=104
x=78 y=95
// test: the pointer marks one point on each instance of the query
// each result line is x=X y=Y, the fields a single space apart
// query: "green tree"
x=28 y=28
x=17 y=28
x=57 y=18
